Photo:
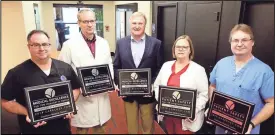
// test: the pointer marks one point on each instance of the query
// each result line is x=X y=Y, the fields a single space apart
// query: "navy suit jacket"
x=152 y=58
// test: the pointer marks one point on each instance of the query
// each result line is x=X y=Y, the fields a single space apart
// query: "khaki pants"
x=133 y=110
x=96 y=129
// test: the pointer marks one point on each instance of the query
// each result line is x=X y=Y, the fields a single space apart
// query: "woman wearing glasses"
x=183 y=72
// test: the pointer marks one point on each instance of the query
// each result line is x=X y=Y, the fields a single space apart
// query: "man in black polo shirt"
x=40 y=69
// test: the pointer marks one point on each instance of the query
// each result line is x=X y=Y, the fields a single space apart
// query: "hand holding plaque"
x=134 y=82
x=229 y=112
x=69 y=116
x=38 y=124
x=151 y=92
x=177 y=102
x=49 y=101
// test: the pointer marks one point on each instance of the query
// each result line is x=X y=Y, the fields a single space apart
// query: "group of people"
x=241 y=75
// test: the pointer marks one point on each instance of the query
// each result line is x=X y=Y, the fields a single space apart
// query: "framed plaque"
x=134 y=82
x=95 y=79
x=177 y=102
x=49 y=101
x=229 y=112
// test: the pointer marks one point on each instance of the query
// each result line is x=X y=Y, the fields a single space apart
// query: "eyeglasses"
x=243 y=41
x=37 y=45
x=182 y=47
x=88 y=21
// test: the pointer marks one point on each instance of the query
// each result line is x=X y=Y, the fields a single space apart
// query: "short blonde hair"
x=191 y=55
x=242 y=27
x=84 y=10
x=139 y=14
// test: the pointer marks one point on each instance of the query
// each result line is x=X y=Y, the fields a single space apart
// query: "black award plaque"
x=134 y=82
x=49 y=101
x=95 y=79
x=230 y=113
x=177 y=102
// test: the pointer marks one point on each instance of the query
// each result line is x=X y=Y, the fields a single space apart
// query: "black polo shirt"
x=29 y=74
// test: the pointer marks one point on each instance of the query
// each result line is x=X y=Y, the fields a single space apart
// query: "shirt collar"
x=142 y=38
x=89 y=40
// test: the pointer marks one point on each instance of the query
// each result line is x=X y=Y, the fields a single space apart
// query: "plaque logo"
x=95 y=72
x=49 y=93
x=229 y=105
x=134 y=76
x=176 y=95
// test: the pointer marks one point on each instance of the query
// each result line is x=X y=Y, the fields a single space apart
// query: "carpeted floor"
x=117 y=124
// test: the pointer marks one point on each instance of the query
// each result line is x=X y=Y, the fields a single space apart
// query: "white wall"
x=14 y=45
x=29 y=18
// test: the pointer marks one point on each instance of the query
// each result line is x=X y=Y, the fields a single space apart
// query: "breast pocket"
x=249 y=94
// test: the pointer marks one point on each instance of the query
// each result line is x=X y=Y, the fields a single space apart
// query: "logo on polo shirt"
x=134 y=76
x=176 y=95
x=49 y=93
x=95 y=72
x=63 y=78
x=229 y=105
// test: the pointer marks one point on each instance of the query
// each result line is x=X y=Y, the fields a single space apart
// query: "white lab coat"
x=94 y=110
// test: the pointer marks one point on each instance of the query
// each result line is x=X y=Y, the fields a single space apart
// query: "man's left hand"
x=69 y=116
x=152 y=89
x=147 y=96
x=249 y=129
x=110 y=91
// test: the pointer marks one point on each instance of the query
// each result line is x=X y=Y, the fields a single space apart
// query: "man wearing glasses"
x=246 y=77
x=88 y=49
x=40 y=69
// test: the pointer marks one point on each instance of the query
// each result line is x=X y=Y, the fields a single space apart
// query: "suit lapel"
x=129 y=50
x=146 y=50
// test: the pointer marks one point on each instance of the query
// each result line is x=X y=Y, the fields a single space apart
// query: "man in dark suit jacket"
x=139 y=51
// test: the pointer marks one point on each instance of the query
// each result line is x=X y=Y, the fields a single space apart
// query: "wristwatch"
x=252 y=124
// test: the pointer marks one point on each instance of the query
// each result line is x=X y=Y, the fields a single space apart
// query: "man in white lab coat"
x=87 y=49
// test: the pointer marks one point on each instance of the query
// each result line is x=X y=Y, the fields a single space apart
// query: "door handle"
x=217 y=16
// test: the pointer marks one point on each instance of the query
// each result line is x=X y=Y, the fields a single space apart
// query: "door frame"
x=133 y=6
x=244 y=5
x=157 y=18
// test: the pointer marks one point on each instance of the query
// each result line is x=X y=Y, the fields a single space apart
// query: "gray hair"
x=84 y=10
x=139 y=14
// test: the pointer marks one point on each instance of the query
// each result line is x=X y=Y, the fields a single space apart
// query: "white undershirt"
x=47 y=72
x=239 y=68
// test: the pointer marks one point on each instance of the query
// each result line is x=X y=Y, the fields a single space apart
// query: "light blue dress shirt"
x=137 y=48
